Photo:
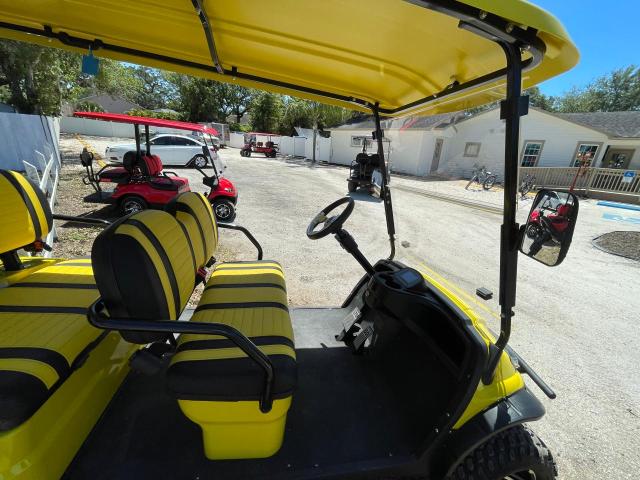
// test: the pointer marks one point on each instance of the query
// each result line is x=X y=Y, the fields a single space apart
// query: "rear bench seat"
x=44 y=334
x=216 y=384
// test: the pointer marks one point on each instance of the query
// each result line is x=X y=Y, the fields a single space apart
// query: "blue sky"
x=607 y=34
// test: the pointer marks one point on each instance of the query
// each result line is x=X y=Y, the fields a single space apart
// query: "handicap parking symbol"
x=621 y=218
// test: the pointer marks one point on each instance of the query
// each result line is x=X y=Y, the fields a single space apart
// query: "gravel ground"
x=625 y=244
x=575 y=324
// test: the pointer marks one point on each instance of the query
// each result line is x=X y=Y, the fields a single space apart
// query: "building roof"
x=152 y=122
x=110 y=103
x=432 y=122
x=614 y=124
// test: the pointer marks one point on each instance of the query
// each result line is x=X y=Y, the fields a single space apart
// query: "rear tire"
x=132 y=204
x=199 y=161
x=352 y=186
x=515 y=454
x=489 y=182
x=224 y=209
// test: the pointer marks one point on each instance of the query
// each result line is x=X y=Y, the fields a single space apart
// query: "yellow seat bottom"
x=238 y=430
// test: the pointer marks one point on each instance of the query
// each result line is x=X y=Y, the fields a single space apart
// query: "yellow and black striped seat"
x=25 y=215
x=144 y=267
x=44 y=336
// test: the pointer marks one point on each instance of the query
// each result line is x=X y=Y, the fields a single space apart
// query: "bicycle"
x=482 y=177
x=527 y=184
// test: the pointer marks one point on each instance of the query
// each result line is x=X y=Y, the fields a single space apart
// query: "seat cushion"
x=24 y=210
x=251 y=297
x=44 y=336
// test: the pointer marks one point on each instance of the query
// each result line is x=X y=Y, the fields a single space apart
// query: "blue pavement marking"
x=626 y=206
x=619 y=218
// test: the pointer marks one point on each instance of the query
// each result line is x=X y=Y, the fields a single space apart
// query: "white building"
x=453 y=144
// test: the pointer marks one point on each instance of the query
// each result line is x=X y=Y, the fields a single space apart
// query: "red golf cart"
x=252 y=144
x=140 y=182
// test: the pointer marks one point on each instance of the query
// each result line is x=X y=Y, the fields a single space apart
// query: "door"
x=437 y=151
x=618 y=158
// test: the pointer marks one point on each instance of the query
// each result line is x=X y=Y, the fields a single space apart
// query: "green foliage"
x=239 y=127
x=616 y=91
x=88 y=107
x=540 y=100
x=143 y=112
x=199 y=99
x=308 y=114
x=266 y=112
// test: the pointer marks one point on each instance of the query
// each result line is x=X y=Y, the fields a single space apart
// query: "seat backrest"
x=130 y=162
x=25 y=215
x=144 y=268
x=196 y=216
x=153 y=164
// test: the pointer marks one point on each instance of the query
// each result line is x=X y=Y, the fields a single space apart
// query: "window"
x=585 y=154
x=161 y=141
x=356 y=141
x=472 y=149
x=531 y=153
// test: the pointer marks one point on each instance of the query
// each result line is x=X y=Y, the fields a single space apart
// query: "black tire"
x=515 y=454
x=224 y=209
x=489 y=182
x=132 y=204
x=243 y=153
x=247 y=153
x=199 y=161
x=533 y=231
x=352 y=186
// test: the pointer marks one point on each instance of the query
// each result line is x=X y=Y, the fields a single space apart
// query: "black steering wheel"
x=331 y=223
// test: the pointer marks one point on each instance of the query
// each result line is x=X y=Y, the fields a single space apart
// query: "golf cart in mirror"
x=549 y=228
x=401 y=379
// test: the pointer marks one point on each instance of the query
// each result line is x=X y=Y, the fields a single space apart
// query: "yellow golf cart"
x=99 y=379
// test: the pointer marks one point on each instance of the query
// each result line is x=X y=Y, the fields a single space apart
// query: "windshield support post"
x=511 y=109
x=385 y=192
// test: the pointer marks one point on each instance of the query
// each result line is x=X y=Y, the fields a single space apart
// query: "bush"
x=88 y=107
x=141 y=112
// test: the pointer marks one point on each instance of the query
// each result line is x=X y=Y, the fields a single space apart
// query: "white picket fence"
x=45 y=172
x=607 y=180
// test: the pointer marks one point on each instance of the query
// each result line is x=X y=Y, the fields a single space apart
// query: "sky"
x=606 y=34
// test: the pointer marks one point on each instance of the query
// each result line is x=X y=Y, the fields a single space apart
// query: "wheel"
x=489 y=182
x=243 y=153
x=273 y=154
x=200 y=161
x=247 y=153
x=224 y=209
x=352 y=186
x=515 y=454
x=533 y=231
x=132 y=204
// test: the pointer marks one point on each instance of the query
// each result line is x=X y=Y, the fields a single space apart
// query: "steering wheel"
x=331 y=223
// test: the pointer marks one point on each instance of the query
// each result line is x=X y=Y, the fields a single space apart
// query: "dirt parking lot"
x=575 y=324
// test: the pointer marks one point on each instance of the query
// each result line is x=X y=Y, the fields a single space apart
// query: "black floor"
x=347 y=410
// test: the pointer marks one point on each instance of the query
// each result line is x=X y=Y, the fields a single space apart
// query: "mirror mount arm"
x=512 y=108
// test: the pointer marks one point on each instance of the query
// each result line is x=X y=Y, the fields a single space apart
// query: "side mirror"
x=547 y=235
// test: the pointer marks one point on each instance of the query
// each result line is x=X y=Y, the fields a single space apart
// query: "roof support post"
x=511 y=109
x=385 y=192
x=147 y=140
x=136 y=130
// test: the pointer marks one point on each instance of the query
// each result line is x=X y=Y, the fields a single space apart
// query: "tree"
x=266 y=112
x=199 y=99
x=237 y=100
x=33 y=77
x=540 y=100
x=151 y=90
x=616 y=91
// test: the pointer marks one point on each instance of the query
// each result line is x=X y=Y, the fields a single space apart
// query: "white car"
x=172 y=149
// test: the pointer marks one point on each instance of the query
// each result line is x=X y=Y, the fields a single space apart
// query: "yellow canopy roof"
x=409 y=56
